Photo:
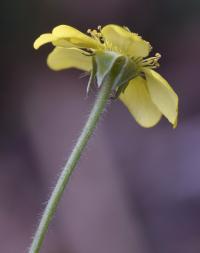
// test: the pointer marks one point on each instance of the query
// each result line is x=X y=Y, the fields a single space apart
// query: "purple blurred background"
x=135 y=190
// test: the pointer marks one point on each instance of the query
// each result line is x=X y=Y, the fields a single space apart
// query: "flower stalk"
x=98 y=108
x=118 y=60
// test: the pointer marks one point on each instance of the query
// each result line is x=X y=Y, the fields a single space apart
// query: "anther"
x=158 y=56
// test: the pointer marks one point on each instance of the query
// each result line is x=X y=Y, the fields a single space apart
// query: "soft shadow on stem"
x=98 y=108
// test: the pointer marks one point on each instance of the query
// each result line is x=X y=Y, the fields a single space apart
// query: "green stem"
x=63 y=179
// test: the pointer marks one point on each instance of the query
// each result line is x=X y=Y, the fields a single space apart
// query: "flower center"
x=151 y=62
x=107 y=45
x=96 y=34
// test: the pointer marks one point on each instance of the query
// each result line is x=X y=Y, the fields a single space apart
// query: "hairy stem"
x=63 y=179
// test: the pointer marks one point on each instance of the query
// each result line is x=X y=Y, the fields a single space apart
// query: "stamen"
x=99 y=28
x=151 y=62
x=137 y=59
x=88 y=51
x=96 y=34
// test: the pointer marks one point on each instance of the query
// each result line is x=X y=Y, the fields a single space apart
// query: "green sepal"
x=92 y=74
x=104 y=63
x=123 y=71
x=120 y=90
x=120 y=69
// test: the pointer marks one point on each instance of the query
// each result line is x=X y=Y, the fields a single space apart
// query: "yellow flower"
x=115 y=51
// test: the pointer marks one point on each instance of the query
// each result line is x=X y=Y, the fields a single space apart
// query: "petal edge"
x=43 y=39
x=127 y=41
x=65 y=58
x=162 y=95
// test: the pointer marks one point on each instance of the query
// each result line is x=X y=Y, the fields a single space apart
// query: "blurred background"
x=135 y=190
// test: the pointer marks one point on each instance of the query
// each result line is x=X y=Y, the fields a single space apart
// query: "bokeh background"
x=135 y=190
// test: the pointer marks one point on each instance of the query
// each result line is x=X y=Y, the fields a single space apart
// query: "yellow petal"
x=138 y=101
x=162 y=95
x=48 y=37
x=130 y=43
x=62 y=43
x=75 y=37
x=43 y=39
x=64 y=58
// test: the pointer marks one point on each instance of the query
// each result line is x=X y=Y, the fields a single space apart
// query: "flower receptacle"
x=119 y=68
